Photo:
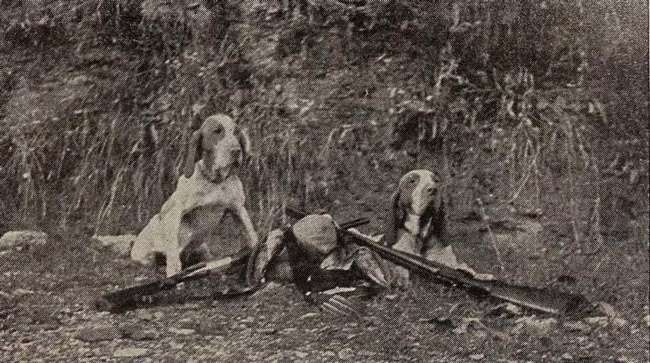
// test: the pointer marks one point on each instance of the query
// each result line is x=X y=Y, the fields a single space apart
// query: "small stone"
x=477 y=356
x=186 y=324
x=176 y=346
x=137 y=333
x=13 y=239
x=533 y=326
x=130 y=353
x=49 y=327
x=346 y=354
x=182 y=331
x=307 y=316
x=301 y=355
x=578 y=326
x=98 y=334
x=23 y=292
x=144 y=315
x=567 y=356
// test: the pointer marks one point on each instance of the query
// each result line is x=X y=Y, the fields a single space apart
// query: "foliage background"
x=97 y=96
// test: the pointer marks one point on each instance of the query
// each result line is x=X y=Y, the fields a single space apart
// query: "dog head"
x=418 y=194
x=221 y=144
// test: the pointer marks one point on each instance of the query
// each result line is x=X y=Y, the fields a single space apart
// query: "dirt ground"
x=47 y=314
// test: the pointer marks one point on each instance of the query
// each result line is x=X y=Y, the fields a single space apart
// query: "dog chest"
x=211 y=225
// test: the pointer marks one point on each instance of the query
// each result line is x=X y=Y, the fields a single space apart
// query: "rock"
x=98 y=334
x=307 y=316
x=49 y=327
x=130 y=353
x=301 y=355
x=182 y=331
x=567 y=356
x=136 y=332
x=23 y=292
x=505 y=310
x=187 y=324
x=144 y=315
x=647 y=320
x=578 y=326
x=477 y=356
x=534 y=326
x=120 y=244
x=346 y=354
x=13 y=239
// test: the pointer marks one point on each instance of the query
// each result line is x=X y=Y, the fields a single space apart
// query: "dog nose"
x=431 y=190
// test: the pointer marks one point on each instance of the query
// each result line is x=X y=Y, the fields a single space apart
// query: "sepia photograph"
x=324 y=181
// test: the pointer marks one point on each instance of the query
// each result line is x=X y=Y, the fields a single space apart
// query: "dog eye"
x=218 y=131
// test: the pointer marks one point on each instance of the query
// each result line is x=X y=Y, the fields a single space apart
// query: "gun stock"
x=129 y=297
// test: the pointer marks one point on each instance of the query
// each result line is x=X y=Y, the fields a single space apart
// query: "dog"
x=208 y=190
x=418 y=224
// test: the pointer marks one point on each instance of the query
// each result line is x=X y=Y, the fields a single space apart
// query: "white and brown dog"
x=189 y=219
x=418 y=222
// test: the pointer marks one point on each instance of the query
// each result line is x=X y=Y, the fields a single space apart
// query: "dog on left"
x=209 y=189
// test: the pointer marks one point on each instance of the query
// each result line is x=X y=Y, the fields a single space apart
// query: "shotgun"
x=544 y=300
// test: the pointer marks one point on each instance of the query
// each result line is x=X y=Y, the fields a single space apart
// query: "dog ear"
x=245 y=144
x=394 y=220
x=435 y=216
x=193 y=152
x=440 y=217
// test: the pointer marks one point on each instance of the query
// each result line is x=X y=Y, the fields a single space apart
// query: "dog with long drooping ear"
x=189 y=221
x=417 y=223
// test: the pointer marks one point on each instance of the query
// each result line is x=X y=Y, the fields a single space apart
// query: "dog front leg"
x=173 y=259
x=244 y=218
x=406 y=243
